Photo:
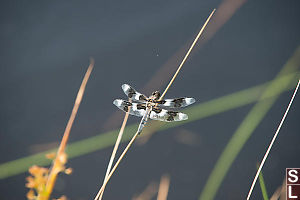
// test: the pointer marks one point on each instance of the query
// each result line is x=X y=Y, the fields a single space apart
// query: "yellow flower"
x=30 y=195
x=68 y=171
x=30 y=182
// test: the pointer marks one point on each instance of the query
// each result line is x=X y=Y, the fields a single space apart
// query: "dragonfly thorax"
x=150 y=103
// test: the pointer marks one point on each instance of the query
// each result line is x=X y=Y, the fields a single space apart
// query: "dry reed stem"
x=280 y=192
x=163 y=187
x=172 y=80
x=226 y=10
x=100 y=194
x=145 y=139
x=276 y=194
x=118 y=162
x=56 y=162
x=272 y=142
x=187 y=54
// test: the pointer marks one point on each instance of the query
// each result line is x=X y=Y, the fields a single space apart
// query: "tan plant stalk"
x=187 y=54
x=118 y=162
x=280 y=192
x=272 y=142
x=226 y=10
x=100 y=194
x=56 y=165
x=172 y=80
x=163 y=187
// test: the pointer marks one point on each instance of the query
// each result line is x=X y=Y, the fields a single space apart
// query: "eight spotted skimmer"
x=151 y=107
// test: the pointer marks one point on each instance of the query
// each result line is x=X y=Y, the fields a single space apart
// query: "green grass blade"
x=248 y=125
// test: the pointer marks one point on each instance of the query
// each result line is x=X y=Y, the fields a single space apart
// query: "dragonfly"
x=152 y=107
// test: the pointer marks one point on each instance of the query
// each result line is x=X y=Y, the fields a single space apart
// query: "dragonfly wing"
x=178 y=102
x=137 y=109
x=133 y=94
x=167 y=115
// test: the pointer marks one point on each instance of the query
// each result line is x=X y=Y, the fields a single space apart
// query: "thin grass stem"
x=272 y=142
x=100 y=194
x=163 y=187
x=280 y=193
x=118 y=162
x=188 y=53
x=56 y=162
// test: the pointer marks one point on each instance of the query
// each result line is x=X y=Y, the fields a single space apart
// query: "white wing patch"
x=178 y=102
x=167 y=116
x=136 y=109
x=133 y=94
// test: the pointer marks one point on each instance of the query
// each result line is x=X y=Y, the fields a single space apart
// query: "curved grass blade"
x=248 y=125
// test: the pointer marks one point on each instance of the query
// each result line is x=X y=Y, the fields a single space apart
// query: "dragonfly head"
x=156 y=95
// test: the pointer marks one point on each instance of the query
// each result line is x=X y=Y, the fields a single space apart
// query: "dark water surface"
x=45 y=50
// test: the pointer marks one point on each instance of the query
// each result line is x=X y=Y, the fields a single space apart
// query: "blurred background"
x=45 y=51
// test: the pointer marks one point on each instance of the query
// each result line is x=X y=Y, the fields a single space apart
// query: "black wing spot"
x=127 y=103
x=141 y=106
x=178 y=102
x=157 y=110
x=142 y=98
x=161 y=101
x=131 y=92
x=171 y=116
